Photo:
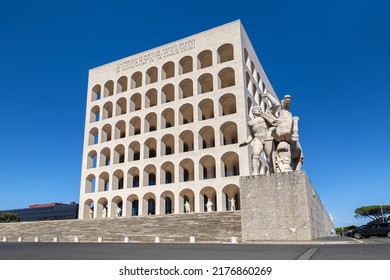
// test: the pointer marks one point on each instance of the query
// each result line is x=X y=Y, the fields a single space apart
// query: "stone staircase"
x=205 y=227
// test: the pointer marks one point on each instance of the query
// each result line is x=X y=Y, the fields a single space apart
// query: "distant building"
x=47 y=211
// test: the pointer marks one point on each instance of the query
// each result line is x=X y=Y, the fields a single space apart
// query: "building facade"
x=163 y=127
x=47 y=211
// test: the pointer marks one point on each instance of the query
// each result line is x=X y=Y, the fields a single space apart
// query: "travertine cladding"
x=205 y=227
x=282 y=206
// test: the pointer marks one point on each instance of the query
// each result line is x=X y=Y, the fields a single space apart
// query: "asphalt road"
x=368 y=249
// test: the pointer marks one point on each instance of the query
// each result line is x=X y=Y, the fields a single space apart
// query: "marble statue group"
x=274 y=134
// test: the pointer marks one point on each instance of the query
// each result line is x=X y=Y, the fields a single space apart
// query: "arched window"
x=167 y=118
x=120 y=130
x=207 y=168
x=92 y=159
x=108 y=89
x=135 y=126
x=230 y=164
x=168 y=70
x=186 y=195
x=167 y=173
x=90 y=184
x=121 y=106
x=186 y=140
x=167 y=145
x=106 y=133
x=105 y=157
x=96 y=93
x=231 y=191
x=229 y=133
x=186 y=169
x=94 y=115
x=226 y=78
x=133 y=178
x=122 y=84
x=93 y=137
x=227 y=104
x=205 y=59
x=136 y=80
x=167 y=202
x=117 y=180
x=104 y=182
x=186 y=88
x=185 y=65
x=107 y=110
x=205 y=109
x=186 y=114
x=135 y=102
x=150 y=122
x=168 y=93
x=151 y=98
x=119 y=154
x=225 y=53
x=151 y=75
x=150 y=148
x=150 y=175
x=206 y=138
x=206 y=194
x=134 y=151
x=205 y=83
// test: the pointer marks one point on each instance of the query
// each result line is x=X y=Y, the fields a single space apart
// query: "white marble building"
x=163 y=126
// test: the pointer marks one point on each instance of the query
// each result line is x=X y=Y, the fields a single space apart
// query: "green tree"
x=8 y=217
x=374 y=212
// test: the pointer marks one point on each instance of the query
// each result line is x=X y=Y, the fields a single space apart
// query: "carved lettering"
x=155 y=55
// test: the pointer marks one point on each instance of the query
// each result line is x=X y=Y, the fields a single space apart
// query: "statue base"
x=282 y=206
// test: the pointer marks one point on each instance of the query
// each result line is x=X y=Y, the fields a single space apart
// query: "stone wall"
x=281 y=206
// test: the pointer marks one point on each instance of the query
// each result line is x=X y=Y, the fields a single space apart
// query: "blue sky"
x=333 y=57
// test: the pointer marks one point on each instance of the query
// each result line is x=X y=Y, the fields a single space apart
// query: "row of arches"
x=168 y=173
x=165 y=203
x=168 y=145
x=168 y=118
x=150 y=98
x=168 y=70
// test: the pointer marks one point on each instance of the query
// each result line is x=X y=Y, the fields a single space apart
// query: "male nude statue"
x=262 y=140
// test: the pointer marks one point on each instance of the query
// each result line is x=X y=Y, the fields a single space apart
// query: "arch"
x=105 y=157
x=168 y=93
x=230 y=164
x=186 y=141
x=167 y=202
x=133 y=178
x=107 y=110
x=206 y=109
x=93 y=136
x=205 y=83
x=136 y=80
x=186 y=114
x=226 y=77
x=108 y=88
x=96 y=93
x=186 y=195
x=89 y=207
x=167 y=173
x=205 y=194
x=117 y=207
x=117 y=180
x=227 y=104
x=106 y=133
x=134 y=151
x=151 y=98
x=135 y=102
x=150 y=148
x=135 y=126
x=92 y=159
x=225 y=53
x=104 y=182
x=121 y=107
x=120 y=130
x=186 y=88
x=247 y=80
x=102 y=204
x=246 y=56
x=206 y=137
x=228 y=192
x=167 y=118
x=119 y=154
x=149 y=204
x=252 y=67
x=90 y=184
x=207 y=167
x=249 y=106
x=150 y=175
x=228 y=134
x=121 y=85
x=186 y=170
x=150 y=122
x=94 y=115
x=205 y=59
x=167 y=145
x=168 y=70
x=151 y=75
x=132 y=203
x=185 y=65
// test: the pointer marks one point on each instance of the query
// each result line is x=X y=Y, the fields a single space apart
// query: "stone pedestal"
x=282 y=206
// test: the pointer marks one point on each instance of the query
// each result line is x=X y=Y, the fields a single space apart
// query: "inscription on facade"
x=156 y=55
